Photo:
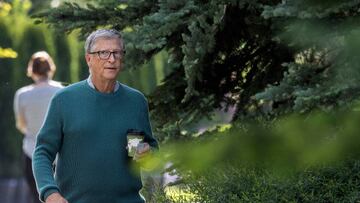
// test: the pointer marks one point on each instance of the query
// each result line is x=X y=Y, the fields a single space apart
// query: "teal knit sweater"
x=88 y=129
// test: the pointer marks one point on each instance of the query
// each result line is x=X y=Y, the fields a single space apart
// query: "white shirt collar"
x=91 y=84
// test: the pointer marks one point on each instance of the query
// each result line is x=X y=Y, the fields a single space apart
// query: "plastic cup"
x=133 y=140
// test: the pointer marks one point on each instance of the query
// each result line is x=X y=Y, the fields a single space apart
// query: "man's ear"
x=88 y=59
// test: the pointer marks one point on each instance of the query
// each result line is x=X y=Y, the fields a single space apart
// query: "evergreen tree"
x=325 y=71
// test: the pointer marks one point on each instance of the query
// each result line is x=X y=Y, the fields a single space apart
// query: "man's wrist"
x=49 y=192
x=56 y=198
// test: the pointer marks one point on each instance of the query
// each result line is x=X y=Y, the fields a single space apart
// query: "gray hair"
x=102 y=33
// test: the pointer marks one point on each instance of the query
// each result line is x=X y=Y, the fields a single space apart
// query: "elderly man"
x=87 y=125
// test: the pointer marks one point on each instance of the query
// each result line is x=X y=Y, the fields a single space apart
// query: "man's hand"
x=55 y=198
x=142 y=150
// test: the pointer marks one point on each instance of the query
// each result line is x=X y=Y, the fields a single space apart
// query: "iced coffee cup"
x=134 y=138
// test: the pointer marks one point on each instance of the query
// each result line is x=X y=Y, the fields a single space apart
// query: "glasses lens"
x=104 y=54
x=118 y=54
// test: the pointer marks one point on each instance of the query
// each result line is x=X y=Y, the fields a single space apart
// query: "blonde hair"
x=41 y=64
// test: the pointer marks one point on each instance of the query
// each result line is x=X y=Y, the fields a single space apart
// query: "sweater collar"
x=91 y=84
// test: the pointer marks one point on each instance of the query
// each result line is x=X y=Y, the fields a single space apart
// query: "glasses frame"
x=110 y=52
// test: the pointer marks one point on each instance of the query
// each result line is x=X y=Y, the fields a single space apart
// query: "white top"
x=30 y=106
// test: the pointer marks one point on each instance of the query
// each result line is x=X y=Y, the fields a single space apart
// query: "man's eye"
x=104 y=52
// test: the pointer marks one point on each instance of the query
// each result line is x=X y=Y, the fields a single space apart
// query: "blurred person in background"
x=30 y=106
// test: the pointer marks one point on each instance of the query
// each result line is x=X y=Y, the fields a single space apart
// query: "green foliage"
x=312 y=158
x=325 y=71
x=240 y=183
x=287 y=144
x=337 y=183
x=7 y=144
x=39 y=5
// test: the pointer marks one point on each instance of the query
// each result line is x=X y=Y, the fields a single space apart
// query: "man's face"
x=105 y=69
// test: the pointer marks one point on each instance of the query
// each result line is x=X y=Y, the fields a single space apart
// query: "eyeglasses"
x=104 y=54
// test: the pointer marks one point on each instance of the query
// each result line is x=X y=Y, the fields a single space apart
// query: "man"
x=30 y=105
x=86 y=125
